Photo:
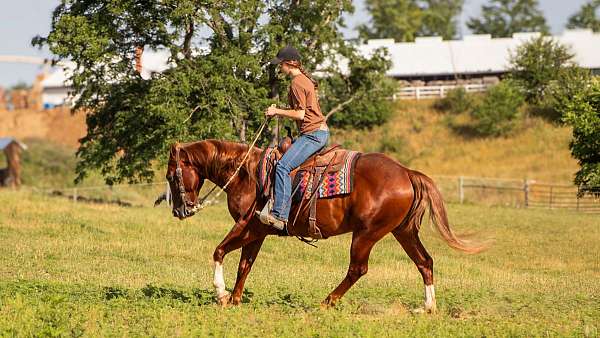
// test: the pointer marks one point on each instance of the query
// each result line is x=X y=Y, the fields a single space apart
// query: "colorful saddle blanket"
x=338 y=181
x=338 y=175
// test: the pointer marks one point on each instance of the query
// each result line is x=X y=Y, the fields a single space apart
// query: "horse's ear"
x=174 y=148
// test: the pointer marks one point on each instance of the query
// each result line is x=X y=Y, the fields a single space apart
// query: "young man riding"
x=305 y=110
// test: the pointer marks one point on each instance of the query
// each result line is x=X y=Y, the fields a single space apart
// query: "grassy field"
x=97 y=270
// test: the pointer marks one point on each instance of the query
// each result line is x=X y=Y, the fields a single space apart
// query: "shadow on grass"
x=194 y=296
x=289 y=300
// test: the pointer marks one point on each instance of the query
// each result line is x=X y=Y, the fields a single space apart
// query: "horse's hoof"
x=328 y=303
x=431 y=310
x=225 y=299
x=236 y=301
x=420 y=311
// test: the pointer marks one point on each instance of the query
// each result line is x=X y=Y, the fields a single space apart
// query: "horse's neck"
x=221 y=165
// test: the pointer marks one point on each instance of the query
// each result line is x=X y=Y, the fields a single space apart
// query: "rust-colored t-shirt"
x=302 y=95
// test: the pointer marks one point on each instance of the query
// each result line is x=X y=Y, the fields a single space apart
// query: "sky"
x=23 y=19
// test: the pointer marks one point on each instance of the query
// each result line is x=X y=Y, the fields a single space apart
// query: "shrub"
x=397 y=146
x=572 y=82
x=536 y=64
x=457 y=101
x=498 y=112
x=582 y=112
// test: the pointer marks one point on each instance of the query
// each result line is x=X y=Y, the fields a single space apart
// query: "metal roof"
x=475 y=54
x=427 y=56
x=5 y=141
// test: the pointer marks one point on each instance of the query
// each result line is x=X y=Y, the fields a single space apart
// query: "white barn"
x=427 y=61
x=431 y=57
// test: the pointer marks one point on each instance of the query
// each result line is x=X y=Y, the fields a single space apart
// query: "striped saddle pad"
x=338 y=181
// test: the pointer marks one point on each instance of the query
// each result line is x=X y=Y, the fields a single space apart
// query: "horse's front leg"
x=239 y=236
x=249 y=253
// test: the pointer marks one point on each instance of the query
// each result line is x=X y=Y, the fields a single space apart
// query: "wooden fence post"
x=461 y=192
x=75 y=195
x=526 y=192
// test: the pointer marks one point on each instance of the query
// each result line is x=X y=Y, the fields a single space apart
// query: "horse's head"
x=185 y=182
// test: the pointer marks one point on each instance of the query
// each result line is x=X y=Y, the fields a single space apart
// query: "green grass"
x=97 y=270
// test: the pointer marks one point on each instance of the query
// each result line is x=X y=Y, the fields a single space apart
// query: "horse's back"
x=382 y=192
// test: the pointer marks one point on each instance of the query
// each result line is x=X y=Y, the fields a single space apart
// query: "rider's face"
x=284 y=68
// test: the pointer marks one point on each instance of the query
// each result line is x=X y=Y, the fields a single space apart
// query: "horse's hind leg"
x=409 y=239
x=362 y=243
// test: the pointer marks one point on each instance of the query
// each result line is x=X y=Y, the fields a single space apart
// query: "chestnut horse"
x=387 y=197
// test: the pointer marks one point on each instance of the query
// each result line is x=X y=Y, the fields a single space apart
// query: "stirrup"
x=267 y=218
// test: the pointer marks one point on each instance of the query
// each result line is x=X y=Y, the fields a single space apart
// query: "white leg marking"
x=219 y=281
x=430 y=305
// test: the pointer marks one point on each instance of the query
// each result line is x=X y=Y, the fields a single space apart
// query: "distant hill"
x=416 y=135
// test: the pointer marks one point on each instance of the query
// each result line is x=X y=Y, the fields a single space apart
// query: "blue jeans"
x=304 y=146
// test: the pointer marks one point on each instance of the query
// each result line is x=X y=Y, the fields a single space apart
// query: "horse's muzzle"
x=183 y=212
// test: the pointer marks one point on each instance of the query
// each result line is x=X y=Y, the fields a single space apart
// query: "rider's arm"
x=296 y=114
x=298 y=105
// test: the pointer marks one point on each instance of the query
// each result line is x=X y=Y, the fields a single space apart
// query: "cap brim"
x=276 y=61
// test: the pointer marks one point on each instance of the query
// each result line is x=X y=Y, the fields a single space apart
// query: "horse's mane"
x=219 y=156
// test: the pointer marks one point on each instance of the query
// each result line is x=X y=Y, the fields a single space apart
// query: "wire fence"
x=141 y=194
x=517 y=193
x=456 y=189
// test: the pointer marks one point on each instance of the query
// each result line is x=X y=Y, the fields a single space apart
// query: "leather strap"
x=313 y=230
x=318 y=176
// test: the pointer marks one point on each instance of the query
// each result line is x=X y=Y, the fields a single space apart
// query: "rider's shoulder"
x=302 y=81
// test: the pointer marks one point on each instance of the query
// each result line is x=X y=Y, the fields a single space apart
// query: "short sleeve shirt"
x=302 y=95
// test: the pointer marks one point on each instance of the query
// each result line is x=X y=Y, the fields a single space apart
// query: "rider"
x=305 y=110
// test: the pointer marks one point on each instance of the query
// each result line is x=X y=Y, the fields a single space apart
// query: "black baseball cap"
x=287 y=53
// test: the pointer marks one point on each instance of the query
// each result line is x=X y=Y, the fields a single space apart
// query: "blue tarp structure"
x=5 y=141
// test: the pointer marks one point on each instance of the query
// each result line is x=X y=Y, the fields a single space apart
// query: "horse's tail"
x=427 y=194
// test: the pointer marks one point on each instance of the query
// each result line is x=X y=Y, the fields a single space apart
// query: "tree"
x=498 y=112
x=536 y=63
x=440 y=18
x=394 y=19
x=502 y=18
x=582 y=113
x=586 y=17
x=403 y=20
x=219 y=82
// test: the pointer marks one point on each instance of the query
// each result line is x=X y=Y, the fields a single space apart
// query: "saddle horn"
x=286 y=142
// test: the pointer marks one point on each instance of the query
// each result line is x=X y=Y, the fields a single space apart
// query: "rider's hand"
x=271 y=111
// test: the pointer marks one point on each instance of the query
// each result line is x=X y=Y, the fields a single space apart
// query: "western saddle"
x=327 y=160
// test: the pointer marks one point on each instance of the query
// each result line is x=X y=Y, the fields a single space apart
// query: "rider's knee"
x=283 y=168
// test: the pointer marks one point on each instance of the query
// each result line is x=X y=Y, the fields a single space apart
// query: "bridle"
x=189 y=208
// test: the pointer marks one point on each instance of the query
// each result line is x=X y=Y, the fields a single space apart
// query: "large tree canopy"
x=502 y=18
x=587 y=17
x=219 y=82
x=403 y=20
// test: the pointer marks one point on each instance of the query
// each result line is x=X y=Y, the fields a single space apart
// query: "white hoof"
x=224 y=299
x=430 y=304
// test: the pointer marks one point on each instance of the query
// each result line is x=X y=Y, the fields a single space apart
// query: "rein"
x=202 y=202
